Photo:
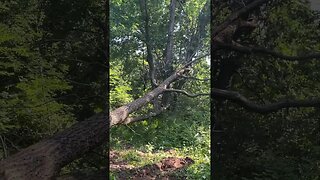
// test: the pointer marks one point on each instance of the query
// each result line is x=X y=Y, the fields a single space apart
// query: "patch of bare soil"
x=162 y=170
x=116 y=164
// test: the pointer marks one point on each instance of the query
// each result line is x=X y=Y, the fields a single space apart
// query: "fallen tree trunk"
x=119 y=115
x=45 y=159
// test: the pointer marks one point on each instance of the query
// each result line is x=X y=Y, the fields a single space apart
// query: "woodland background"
x=280 y=144
x=54 y=73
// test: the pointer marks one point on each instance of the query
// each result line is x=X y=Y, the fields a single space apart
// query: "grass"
x=186 y=133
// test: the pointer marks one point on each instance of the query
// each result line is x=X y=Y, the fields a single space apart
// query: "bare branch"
x=4 y=147
x=12 y=144
x=186 y=93
x=263 y=109
x=119 y=115
x=44 y=159
x=194 y=60
x=144 y=117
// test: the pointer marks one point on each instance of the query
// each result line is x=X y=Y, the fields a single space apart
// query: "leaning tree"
x=167 y=72
x=169 y=67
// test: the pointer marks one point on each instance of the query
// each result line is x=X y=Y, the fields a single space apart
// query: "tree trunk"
x=44 y=160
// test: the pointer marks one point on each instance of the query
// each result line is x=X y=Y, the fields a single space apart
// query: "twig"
x=4 y=147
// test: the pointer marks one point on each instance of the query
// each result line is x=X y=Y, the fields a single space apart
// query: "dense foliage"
x=52 y=68
x=53 y=72
x=283 y=144
x=185 y=126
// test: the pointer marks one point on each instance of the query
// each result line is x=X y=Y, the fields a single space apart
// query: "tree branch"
x=263 y=109
x=144 y=117
x=194 y=60
x=119 y=115
x=44 y=159
x=186 y=93
x=145 y=17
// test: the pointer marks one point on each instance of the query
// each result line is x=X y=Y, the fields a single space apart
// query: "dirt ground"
x=162 y=170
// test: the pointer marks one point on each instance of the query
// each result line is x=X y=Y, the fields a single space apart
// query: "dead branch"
x=186 y=93
x=119 y=115
x=194 y=60
x=144 y=117
x=43 y=160
x=263 y=109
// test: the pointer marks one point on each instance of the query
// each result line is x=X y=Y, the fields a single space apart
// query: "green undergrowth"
x=183 y=133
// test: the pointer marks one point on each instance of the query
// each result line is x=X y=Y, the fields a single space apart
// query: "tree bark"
x=145 y=17
x=169 y=46
x=44 y=160
x=119 y=115
x=265 y=108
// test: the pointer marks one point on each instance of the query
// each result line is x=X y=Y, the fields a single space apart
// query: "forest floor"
x=171 y=146
x=165 y=169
